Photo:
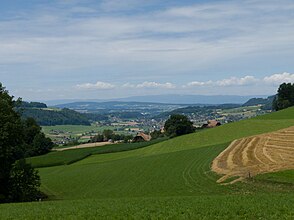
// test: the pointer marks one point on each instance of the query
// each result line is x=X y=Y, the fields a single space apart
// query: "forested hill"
x=267 y=102
x=32 y=105
x=45 y=116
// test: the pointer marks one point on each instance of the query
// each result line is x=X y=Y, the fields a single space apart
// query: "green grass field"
x=70 y=156
x=167 y=180
x=260 y=206
x=75 y=129
x=241 y=109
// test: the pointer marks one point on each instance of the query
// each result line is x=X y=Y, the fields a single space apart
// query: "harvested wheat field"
x=254 y=155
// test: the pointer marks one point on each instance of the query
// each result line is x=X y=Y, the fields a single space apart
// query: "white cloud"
x=128 y=85
x=156 y=85
x=97 y=86
x=147 y=84
x=279 y=78
x=197 y=83
x=250 y=81
x=235 y=81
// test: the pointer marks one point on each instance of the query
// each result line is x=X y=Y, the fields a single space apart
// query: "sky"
x=99 y=49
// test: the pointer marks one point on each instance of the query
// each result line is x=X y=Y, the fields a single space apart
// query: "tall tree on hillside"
x=11 y=140
x=285 y=97
x=178 y=125
x=15 y=176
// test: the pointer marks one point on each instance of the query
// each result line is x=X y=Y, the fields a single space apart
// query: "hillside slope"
x=151 y=171
x=169 y=179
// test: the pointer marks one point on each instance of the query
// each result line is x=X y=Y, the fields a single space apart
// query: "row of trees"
x=18 y=139
x=32 y=105
x=110 y=135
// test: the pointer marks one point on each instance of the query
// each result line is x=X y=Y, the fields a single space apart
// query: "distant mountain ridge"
x=169 y=99
x=192 y=99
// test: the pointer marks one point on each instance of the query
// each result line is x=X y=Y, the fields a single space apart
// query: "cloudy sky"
x=59 y=49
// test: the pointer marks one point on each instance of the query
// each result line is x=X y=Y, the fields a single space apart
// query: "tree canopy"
x=178 y=125
x=11 y=139
x=285 y=97
x=32 y=105
x=18 y=139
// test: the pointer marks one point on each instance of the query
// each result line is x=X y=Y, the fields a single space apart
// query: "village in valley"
x=140 y=128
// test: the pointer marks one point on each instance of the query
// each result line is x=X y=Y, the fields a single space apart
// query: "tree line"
x=55 y=117
x=108 y=134
x=32 y=105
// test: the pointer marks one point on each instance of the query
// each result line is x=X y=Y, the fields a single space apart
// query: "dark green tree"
x=97 y=138
x=23 y=183
x=178 y=125
x=285 y=97
x=128 y=138
x=31 y=129
x=107 y=133
x=156 y=134
x=15 y=175
x=11 y=140
x=41 y=144
x=35 y=141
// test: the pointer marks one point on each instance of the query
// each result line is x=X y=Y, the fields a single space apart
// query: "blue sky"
x=62 y=49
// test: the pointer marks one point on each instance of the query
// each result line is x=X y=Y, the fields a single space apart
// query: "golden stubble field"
x=254 y=155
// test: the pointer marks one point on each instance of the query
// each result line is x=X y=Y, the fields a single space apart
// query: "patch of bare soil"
x=98 y=144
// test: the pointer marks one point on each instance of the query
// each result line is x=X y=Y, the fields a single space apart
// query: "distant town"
x=81 y=121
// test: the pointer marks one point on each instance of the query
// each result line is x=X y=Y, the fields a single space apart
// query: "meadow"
x=167 y=180
x=241 y=109
x=261 y=206
x=75 y=129
x=67 y=157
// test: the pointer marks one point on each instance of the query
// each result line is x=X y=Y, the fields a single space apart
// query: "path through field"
x=98 y=144
x=258 y=154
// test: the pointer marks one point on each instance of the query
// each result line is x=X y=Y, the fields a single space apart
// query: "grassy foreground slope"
x=201 y=207
x=171 y=179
